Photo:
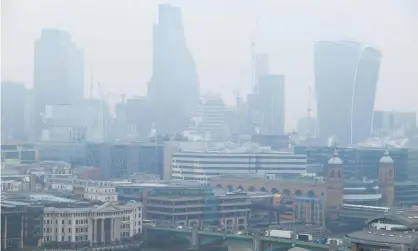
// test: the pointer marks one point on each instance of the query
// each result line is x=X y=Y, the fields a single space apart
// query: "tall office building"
x=388 y=122
x=272 y=104
x=174 y=87
x=13 y=103
x=58 y=73
x=261 y=66
x=346 y=75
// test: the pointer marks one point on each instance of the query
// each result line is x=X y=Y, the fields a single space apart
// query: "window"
x=69 y=230
x=63 y=230
x=69 y=238
x=69 y=222
x=62 y=222
x=62 y=238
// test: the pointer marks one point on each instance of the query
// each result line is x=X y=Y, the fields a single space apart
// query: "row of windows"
x=202 y=157
x=77 y=238
x=77 y=230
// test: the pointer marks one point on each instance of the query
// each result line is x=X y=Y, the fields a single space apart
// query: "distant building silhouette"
x=58 y=73
x=13 y=103
x=272 y=104
x=174 y=87
x=346 y=75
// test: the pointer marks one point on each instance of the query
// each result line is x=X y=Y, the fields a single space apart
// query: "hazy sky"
x=117 y=37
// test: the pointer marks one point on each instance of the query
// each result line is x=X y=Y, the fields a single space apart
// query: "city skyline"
x=223 y=58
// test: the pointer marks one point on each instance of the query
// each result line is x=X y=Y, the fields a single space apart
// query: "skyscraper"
x=346 y=75
x=58 y=73
x=272 y=104
x=174 y=87
x=13 y=103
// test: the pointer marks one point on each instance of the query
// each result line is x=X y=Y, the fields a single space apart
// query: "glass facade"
x=346 y=75
x=196 y=206
x=359 y=162
x=309 y=210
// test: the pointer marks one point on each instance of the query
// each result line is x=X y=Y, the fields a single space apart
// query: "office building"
x=103 y=191
x=388 y=122
x=58 y=74
x=210 y=118
x=346 y=75
x=18 y=153
x=196 y=205
x=262 y=65
x=272 y=104
x=21 y=224
x=14 y=97
x=359 y=162
x=202 y=166
x=174 y=87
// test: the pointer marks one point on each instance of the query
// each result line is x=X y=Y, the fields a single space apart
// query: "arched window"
x=251 y=189
x=263 y=189
x=230 y=188
x=311 y=194
x=298 y=193
x=274 y=190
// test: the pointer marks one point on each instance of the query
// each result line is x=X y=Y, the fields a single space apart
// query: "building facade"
x=202 y=166
x=103 y=191
x=346 y=75
x=174 y=87
x=58 y=74
x=14 y=98
x=197 y=206
x=272 y=104
x=88 y=226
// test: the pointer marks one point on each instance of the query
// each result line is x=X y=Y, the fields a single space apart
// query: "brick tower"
x=334 y=183
x=387 y=179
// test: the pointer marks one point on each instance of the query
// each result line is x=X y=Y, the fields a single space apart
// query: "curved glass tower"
x=346 y=75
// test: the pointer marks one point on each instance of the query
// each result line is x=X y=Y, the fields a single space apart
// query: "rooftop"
x=409 y=218
x=384 y=237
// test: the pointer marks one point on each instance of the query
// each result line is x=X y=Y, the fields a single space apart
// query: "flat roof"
x=407 y=218
x=384 y=237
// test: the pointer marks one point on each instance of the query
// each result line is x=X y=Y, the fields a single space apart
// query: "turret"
x=334 y=184
x=387 y=179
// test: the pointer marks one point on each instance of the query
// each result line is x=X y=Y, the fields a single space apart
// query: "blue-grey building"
x=346 y=75
x=174 y=87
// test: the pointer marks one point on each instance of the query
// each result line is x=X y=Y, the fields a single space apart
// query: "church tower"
x=334 y=186
x=387 y=179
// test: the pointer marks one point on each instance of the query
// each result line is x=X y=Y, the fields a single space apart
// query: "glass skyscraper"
x=346 y=75
x=174 y=87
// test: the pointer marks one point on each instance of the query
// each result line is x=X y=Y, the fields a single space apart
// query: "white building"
x=201 y=166
x=95 y=190
x=106 y=223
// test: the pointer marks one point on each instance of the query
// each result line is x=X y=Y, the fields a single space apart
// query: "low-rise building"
x=104 y=224
x=95 y=190
x=200 y=206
